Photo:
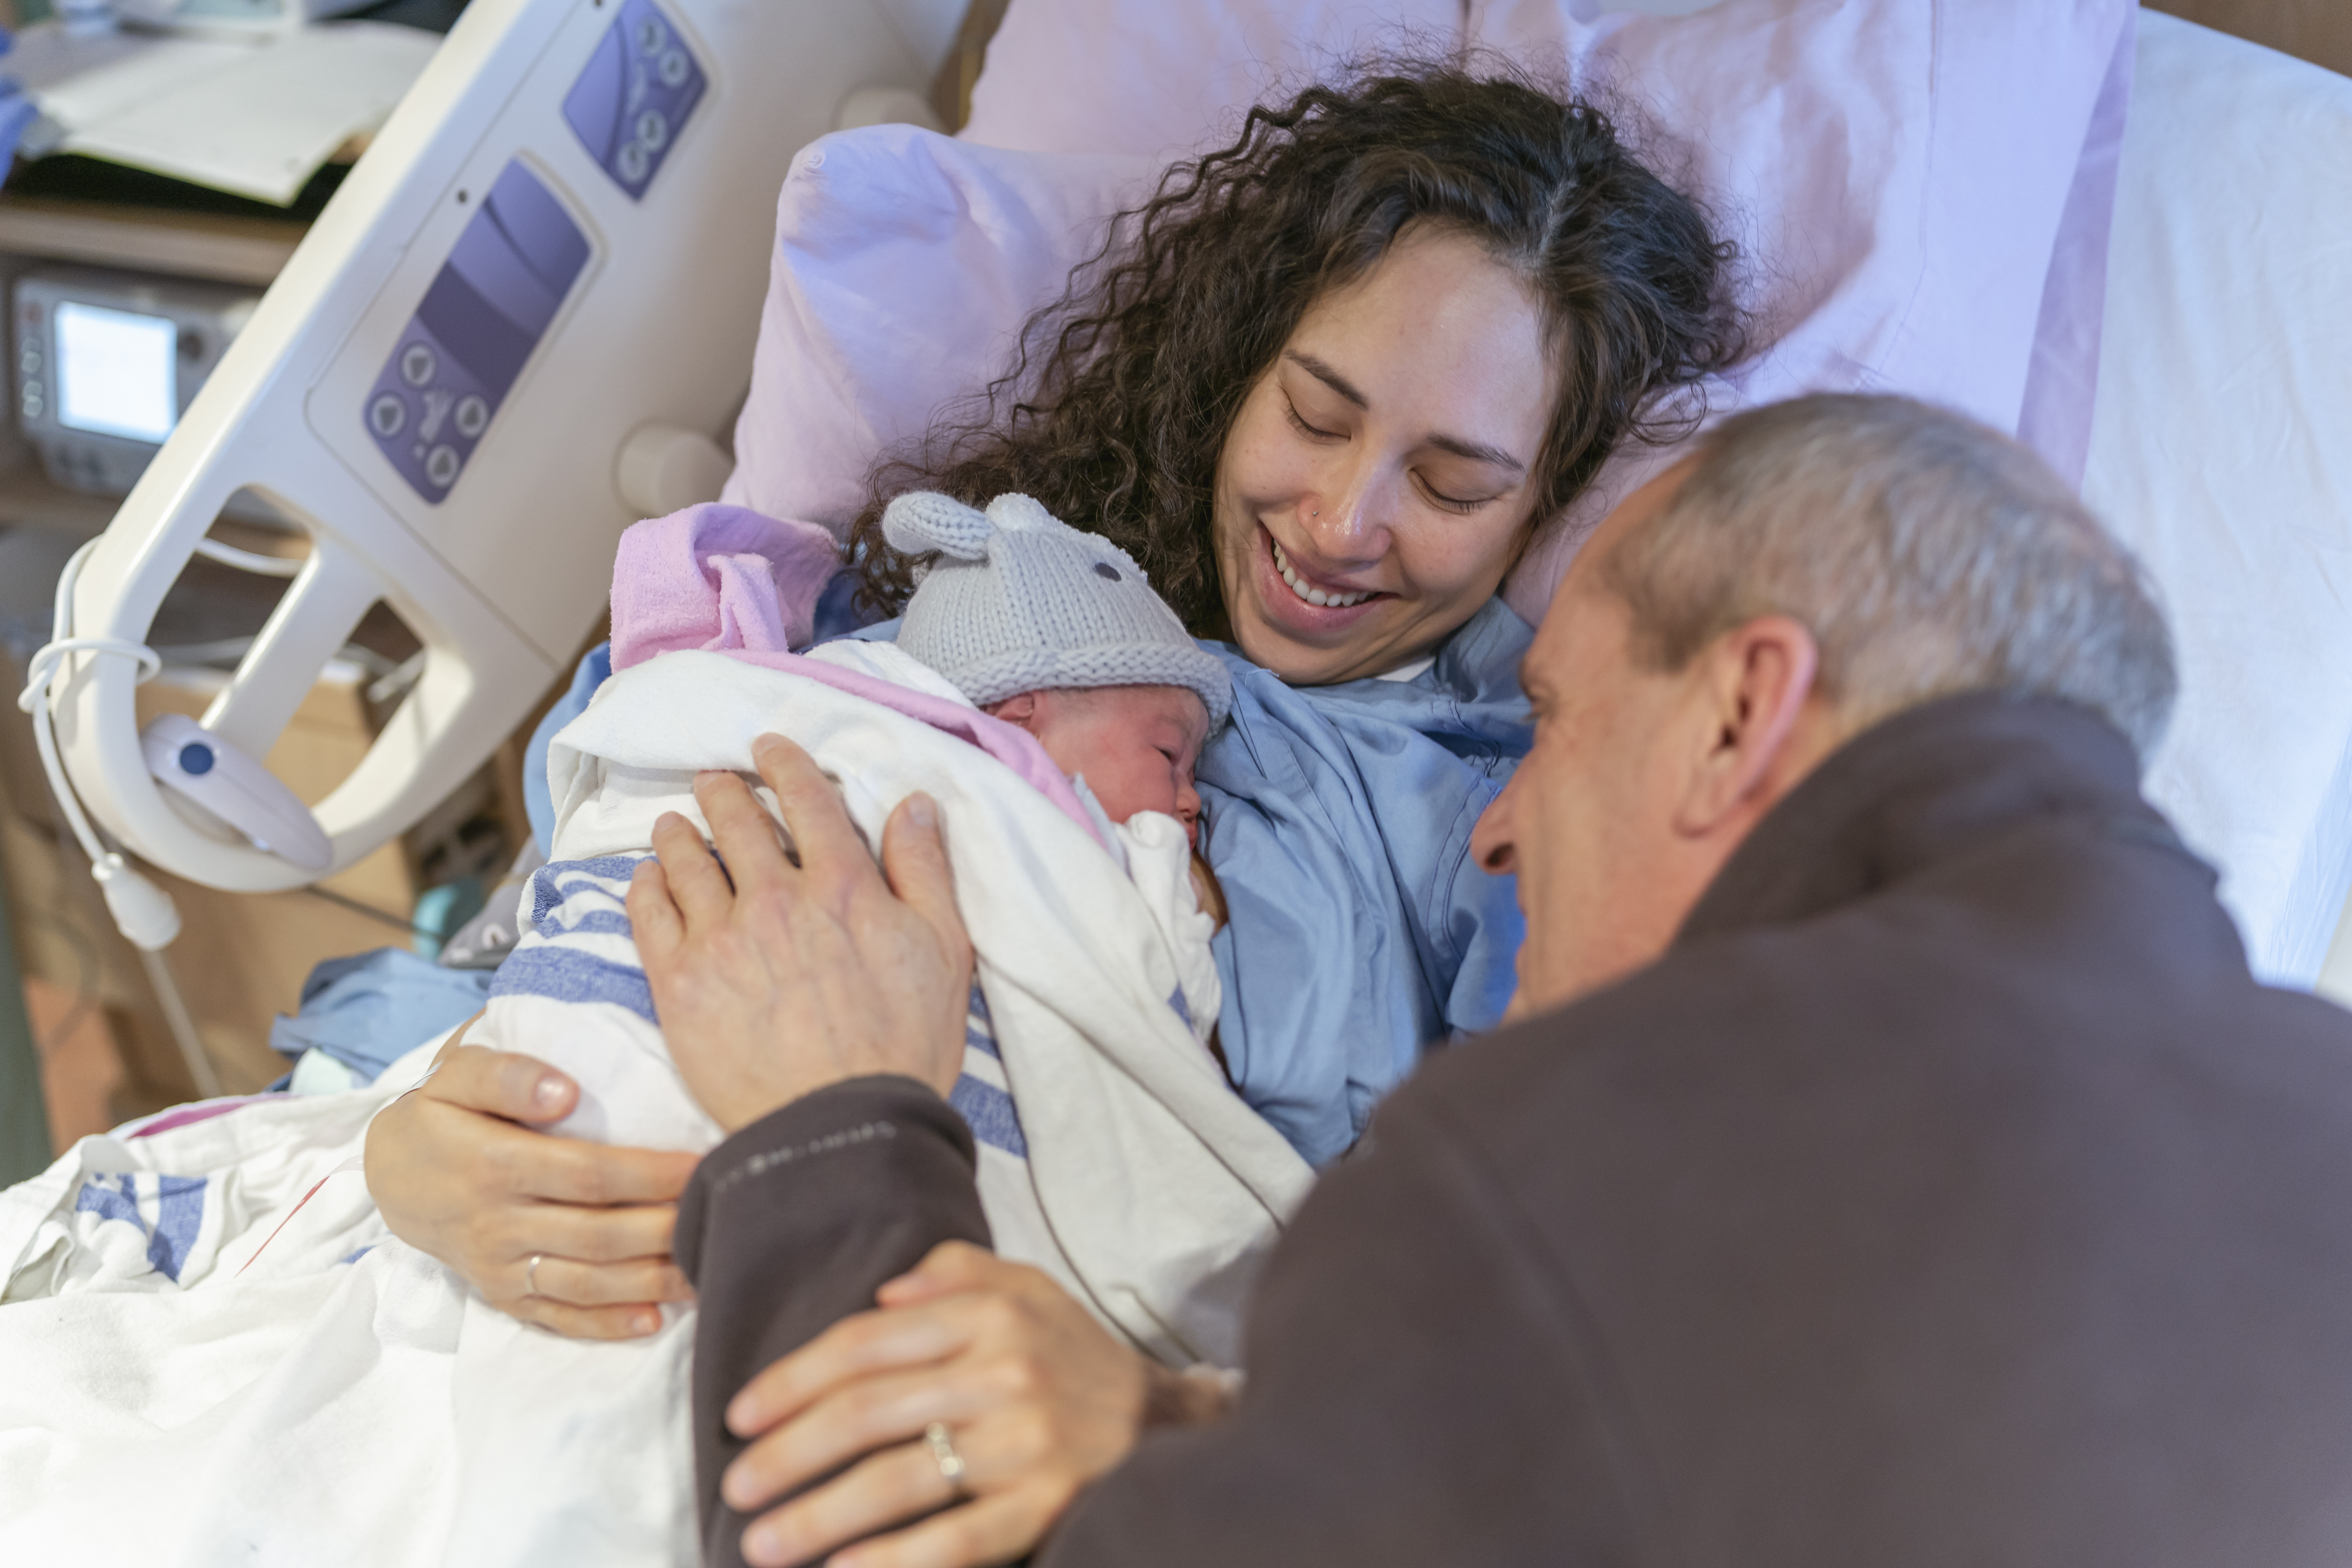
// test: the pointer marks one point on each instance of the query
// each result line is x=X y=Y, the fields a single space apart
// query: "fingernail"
x=645 y=1323
x=759 y=1545
x=548 y=1092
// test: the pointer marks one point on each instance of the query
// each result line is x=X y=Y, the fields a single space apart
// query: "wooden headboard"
x=2319 y=31
x=952 y=89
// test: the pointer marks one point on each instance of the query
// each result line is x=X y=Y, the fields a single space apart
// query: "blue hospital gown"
x=1339 y=821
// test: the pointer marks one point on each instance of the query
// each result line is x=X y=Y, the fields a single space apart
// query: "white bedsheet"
x=2222 y=449
x=188 y=1382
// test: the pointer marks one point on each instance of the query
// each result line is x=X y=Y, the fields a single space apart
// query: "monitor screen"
x=117 y=372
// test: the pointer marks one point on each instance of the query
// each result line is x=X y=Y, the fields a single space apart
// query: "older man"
x=1893 y=1160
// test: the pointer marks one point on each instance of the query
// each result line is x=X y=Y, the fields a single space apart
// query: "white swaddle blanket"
x=1112 y=1152
x=187 y=1382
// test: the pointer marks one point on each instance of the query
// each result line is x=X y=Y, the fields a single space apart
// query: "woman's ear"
x=1751 y=685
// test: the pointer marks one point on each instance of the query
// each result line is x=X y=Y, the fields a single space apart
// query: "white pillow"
x=904 y=262
x=1900 y=172
x=1162 y=78
x=1904 y=171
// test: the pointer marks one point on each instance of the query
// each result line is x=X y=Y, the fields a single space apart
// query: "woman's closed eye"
x=1453 y=503
x=1298 y=422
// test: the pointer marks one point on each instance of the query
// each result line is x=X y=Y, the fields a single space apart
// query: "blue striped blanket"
x=578 y=950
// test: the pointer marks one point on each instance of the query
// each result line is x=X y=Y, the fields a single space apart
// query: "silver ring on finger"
x=944 y=1454
x=530 y=1275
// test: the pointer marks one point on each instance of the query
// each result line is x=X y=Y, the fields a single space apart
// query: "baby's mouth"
x=1307 y=591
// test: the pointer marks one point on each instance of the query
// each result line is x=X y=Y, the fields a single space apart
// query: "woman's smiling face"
x=1379 y=478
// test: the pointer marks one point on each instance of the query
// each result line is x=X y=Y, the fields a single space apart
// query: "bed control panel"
x=640 y=85
x=486 y=311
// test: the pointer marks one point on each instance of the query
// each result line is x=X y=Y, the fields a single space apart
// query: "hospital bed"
x=527 y=319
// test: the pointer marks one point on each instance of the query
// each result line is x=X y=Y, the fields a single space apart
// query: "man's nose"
x=1490 y=840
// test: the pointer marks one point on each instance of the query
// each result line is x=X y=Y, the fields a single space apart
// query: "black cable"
x=357 y=908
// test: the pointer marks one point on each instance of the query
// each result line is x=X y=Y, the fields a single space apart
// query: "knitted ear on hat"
x=1017 y=513
x=921 y=521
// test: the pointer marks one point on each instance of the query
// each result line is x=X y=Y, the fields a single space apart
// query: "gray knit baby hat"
x=1020 y=601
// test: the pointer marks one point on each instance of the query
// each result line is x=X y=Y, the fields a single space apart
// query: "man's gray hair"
x=1928 y=555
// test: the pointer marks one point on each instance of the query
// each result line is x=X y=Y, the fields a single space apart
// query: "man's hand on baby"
x=1040 y=1398
x=773 y=978
x=457 y=1177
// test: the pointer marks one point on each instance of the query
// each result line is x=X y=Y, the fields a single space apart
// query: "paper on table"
x=79 y=80
x=255 y=120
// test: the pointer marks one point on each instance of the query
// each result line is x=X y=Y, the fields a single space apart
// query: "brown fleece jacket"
x=1949 y=1194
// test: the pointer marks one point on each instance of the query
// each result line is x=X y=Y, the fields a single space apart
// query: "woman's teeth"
x=1312 y=595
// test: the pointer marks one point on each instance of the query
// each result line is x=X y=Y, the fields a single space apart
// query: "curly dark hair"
x=1118 y=401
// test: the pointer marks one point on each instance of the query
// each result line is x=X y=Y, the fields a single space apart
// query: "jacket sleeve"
x=1420 y=1390
x=792 y=1225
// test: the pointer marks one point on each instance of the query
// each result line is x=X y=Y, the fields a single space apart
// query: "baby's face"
x=1136 y=745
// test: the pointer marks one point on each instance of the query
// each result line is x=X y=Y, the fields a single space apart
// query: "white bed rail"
x=484 y=516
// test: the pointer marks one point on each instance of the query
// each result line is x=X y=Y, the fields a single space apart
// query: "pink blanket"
x=726 y=579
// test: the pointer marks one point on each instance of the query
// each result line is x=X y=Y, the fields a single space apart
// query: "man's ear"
x=1750 y=686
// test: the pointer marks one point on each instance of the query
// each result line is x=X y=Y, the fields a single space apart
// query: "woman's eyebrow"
x=1328 y=376
x=1476 y=452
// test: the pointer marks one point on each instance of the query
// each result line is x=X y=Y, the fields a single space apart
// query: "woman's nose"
x=1349 y=524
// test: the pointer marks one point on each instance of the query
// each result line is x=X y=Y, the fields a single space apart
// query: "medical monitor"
x=117 y=372
x=107 y=361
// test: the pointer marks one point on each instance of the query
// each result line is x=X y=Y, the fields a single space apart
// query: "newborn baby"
x=1047 y=630
x=1056 y=632
x=1134 y=746
x=1052 y=705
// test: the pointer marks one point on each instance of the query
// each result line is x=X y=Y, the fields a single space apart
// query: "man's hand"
x=1040 y=1399
x=800 y=975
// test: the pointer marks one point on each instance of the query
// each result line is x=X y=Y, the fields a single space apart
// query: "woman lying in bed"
x=1323 y=387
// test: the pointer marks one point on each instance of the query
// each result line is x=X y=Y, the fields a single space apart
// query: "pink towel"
x=717 y=578
x=726 y=579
